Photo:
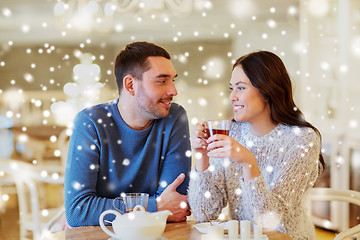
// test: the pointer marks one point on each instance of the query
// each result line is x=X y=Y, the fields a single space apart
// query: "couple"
x=140 y=143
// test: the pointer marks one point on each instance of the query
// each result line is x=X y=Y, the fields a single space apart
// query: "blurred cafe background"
x=56 y=58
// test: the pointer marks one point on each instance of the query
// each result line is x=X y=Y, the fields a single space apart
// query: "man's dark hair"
x=134 y=60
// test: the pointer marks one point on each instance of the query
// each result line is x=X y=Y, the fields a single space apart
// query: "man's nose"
x=172 y=89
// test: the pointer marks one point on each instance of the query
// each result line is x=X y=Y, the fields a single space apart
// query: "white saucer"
x=161 y=238
x=204 y=227
x=226 y=237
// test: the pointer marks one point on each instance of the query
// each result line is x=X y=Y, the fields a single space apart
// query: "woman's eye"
x=241 y=88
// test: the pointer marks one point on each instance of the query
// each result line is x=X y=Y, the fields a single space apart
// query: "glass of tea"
x=129 y=200
x=213 y=127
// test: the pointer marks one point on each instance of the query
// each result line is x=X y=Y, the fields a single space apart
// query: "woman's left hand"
x=223 y=146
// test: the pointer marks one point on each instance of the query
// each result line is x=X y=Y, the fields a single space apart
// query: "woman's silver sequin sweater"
x=288 y=158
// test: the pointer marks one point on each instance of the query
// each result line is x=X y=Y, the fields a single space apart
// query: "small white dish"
x=161 y=238
x=204 y=227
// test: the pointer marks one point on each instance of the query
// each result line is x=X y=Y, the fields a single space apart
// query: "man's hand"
x=173 y=201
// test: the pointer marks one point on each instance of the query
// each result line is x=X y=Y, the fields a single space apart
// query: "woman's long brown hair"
x=267 y=72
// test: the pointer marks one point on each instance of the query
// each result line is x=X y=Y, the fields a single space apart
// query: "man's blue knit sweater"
x=106 y=157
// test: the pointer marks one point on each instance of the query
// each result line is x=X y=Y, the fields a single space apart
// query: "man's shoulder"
x=98 y=111
x=176 y=111
x=176 y=108
x=176 y=114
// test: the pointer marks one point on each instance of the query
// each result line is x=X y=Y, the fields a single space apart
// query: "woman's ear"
x=266 y=99
x=128 y=83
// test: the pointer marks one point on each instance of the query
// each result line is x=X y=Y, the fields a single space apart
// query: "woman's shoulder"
x=298 y=132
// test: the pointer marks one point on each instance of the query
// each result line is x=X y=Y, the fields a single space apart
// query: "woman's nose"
x=233 y=96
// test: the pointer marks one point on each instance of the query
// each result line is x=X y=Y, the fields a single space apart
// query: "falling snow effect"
x=55 y=81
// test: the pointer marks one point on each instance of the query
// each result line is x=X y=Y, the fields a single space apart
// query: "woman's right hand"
x=199 y=145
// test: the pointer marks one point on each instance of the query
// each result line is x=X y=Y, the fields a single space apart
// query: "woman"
x=264 y=169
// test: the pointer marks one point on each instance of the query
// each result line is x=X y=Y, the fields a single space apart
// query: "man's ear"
x=128 y=84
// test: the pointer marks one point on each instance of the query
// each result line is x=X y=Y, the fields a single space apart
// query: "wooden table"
x=173 y=231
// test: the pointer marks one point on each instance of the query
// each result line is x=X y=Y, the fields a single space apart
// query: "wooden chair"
x=63 y=145
x=344 y=195
x=28 y=179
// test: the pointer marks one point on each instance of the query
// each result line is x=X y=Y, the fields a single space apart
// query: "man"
x=136 y=143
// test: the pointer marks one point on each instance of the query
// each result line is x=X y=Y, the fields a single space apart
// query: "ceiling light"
x=97 y=15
